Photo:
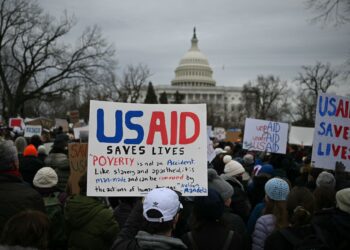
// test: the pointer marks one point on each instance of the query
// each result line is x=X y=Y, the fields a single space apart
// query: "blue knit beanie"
x=277 y=189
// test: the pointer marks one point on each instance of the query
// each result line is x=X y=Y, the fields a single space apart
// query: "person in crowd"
x=275 y=214
x=21 y=144
x=45 y=182
x=207 y=225
x=248 y=163
x=30 y=164
x=123 y=209
x=15 y=196
x=300 y=207
x=36 y=141
x=233 y=172
x=217 y=162
x=58 y=160
x=160 y=213
x=28 y=229
x=232 y=220
x=89 y=223
x=326 y=179
x=335 y=225
x=42 y=154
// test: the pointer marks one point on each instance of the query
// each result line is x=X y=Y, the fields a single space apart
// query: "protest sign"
x=74 y=116
x=16 y=122
x=31 y=130
x=77 y=131
x=332 y=132
x=62 y=123
x=219 y=133
x=233 y=136
x=134 y=148
x=210 y=150
x=261 y=135
x=77 y=153
x=301 y=136
x=210 y=131
x=43 y=122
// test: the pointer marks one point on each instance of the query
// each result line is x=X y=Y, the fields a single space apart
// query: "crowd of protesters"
x=255 y=200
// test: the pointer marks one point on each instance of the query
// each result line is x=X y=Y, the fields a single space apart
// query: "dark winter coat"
x=59 y=162
x=212 y=236
x=233 y=221
x=28 y=166
x=89 y=223
x=17 y=196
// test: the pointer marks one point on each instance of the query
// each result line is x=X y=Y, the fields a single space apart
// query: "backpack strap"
x=193 y=243
x=228 y=240
x=295 y=241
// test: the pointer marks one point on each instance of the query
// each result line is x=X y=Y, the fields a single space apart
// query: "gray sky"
x=241 y=38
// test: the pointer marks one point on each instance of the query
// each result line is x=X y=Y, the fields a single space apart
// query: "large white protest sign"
x=261 y=135
x=134 y=148
x=31 y=130
x=301 y=136
x=332 y=132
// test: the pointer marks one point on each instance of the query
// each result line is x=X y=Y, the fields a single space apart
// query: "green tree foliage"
x=151 y=96
x=178 y=97
x=163 y=98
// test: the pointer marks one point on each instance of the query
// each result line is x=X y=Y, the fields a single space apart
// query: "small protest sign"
x=332 y=132
x=77 y=131
x=74 y=116
x=301 y=136
x=43 y=122
x=134 y=148
x=266 y=136
x=219 y=133
x=210 y=150
x=77 y=153
x=62 y=123
x=31 y=130
x=16 y=122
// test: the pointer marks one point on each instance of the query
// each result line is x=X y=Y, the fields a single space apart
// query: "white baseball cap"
x=165 y=201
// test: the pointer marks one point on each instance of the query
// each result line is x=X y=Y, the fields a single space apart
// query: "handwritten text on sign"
x=134 y=148
x=332 y=132
x=261 y=135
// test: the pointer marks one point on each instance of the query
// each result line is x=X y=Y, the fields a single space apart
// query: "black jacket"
x=28 y=166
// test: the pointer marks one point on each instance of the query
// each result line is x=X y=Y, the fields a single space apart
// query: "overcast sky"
x=241 y=38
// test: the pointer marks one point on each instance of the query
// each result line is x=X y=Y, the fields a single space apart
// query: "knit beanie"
x=46 y=177
x=209 y=207
x=42 y=150
x=232 y=168
x=30 y=150
x=8 y=155
x=325 y=179
x=219 y=184
x=20 y=144
x=277 y=189
x=343 y=200
x=248 y=159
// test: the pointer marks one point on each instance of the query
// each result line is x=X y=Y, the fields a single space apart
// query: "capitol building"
x=194 y=81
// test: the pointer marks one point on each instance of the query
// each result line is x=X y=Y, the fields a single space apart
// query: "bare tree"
x=266 y=98
x=317 y=78
x=330 y=11
x=35 y=65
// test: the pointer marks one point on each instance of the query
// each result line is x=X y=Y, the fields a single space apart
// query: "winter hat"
x=46 y=177
x=227 y=148
x=219 y=184
x=277 y=189
x=263 y=169
x=343 y=200
x=232 y=168
x=30 y=150
x=21 y=144
x=219 y=151
x=209 y=207
x=325 y=179
x=42 y=150
x=8 y=155
x=248 y=159
x=165 y=201
x=61 y=141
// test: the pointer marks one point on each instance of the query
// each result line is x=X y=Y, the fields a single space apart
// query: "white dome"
x=194 y=69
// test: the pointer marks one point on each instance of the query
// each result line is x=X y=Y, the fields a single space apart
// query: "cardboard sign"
x=77 y=153
x=266 y=136
x=43 y=122
x=16 y=122
x=233 y=136
x=332 y=132
x=31 y=130
x=77 y=131
x=219 y=133
x=301 y=136
x=134 y=148
x=62 y=123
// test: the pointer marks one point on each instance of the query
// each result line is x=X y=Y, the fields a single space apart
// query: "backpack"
x=312 y=241
x=54 y=211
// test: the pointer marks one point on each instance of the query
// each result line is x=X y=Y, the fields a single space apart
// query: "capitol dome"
x=194 y=69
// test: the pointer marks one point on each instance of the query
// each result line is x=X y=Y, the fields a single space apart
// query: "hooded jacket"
x=90 y=224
